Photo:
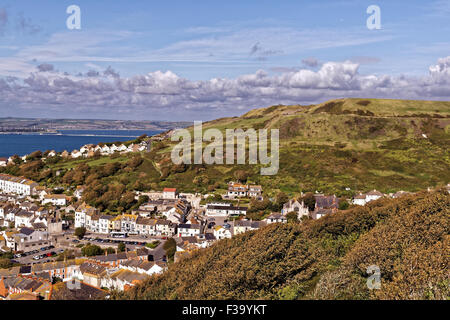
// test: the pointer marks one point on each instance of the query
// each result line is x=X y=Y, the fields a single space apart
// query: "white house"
x=55 y=199
x=189 y=230
x=224 y=210
x=16 y=185
x=81 y=214
x=23 y=219
x=104 y=224
x=170 y=193
x=221 y=233
x=76 y=154
x=275 y=218
x=362 y=199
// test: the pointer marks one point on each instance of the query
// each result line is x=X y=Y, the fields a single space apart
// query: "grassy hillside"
x=407 y=238
x=361 y=144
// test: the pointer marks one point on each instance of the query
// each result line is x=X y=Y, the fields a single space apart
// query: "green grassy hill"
x=407 y=238
x=361 y=144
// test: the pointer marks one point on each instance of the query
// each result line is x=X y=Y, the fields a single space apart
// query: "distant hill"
x=340 y=146
x=406 y=238
x=361 y=144
x=88 y=124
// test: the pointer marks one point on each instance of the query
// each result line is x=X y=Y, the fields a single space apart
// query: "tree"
x=309 y=201
x=241 y=175
x=5 y=263
x=91 y=250
x=280 y=199
x=343 y=205
x=80 y=232
x=292 y=217
x=121 y=247
x=170 y=246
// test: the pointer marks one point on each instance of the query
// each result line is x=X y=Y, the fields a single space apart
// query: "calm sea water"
x=11 y=144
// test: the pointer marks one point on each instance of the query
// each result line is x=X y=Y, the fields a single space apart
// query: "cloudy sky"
x=203 y=59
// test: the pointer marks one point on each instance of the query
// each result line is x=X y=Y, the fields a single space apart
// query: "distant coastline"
x=22 y=144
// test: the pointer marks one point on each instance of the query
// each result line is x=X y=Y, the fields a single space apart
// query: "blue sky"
x=204 y=59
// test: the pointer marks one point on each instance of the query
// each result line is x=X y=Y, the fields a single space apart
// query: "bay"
x=11 y=144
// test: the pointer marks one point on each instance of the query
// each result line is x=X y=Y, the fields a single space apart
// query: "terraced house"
x=17 y=185
x=22 y=287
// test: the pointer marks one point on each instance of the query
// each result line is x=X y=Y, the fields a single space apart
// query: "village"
x=48 y=233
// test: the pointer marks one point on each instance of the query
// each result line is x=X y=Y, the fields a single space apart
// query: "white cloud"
x=167 y=93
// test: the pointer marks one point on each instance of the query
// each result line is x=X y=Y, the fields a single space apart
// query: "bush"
x=80 y=232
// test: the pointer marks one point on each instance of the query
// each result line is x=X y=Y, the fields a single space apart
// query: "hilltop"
x=406 y=238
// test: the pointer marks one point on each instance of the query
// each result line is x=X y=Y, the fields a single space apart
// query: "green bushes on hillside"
x=323 y=259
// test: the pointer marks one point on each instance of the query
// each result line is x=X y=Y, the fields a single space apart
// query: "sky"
x=204 y=59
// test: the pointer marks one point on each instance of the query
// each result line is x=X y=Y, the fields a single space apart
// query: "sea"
x=22 y=144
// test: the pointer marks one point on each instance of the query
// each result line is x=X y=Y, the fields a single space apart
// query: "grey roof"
x=26 y=231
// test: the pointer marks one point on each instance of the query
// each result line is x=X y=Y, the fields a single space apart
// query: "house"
x=79 y=191
x=21 y=287
x=104 y=224
x=76 y=154
x=93 y=223
x=295 y=206
x=359 y=199
x=399 y=194
x=28 y=239
x=146 y=226
x=76 y=290
x=41 y=192
x=55 y=199
x=170 y=193
x=52 y=153
x=128 y=223
x=362 y=199
x=319 y=213
x=81 y=214
x=242 y=226
x=23 y=218
x=373 y=195
x=221 y=233
x=189 y=230
x=3 y=162
x=237 y=190
x=275 y=218
x=324 y=205
x=92 y=273
x=254 y=191
x=224 y=210
x=165 y=227
x=123 y=280
x=151 y=267
x=17 y=185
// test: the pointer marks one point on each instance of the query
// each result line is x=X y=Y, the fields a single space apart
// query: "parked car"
x=36 y=258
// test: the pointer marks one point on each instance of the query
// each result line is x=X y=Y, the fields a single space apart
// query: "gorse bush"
x=406 y=238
